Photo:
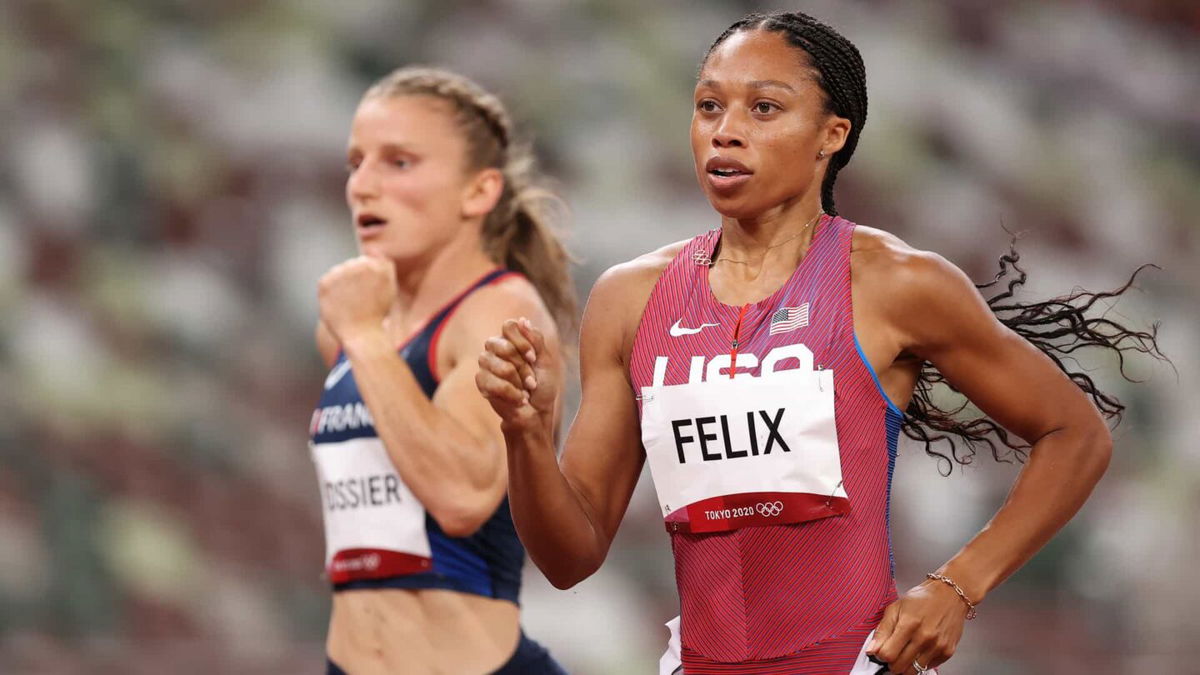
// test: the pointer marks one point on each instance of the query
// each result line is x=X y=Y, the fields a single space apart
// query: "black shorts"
x=530 y=658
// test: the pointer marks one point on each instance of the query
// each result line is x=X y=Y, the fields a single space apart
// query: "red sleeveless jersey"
x=777 y=599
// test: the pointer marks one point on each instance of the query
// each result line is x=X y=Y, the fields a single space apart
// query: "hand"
x=924 y=626
x=519 y=377
x=356 y=295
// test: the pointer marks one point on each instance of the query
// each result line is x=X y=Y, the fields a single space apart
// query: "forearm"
x=432 y=452
x=1062 y=470
x=562 y=537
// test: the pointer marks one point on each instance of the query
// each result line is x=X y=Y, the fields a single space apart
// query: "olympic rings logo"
x=769 y=509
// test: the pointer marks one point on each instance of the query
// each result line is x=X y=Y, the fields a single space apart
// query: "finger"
x=496 y=389
x=504 y=349
x=904 y=662
x=884 y=630
x=891 y=648
x=920 y=642
x=535 y=336
x=943 y=648
x=519 y=342
x=501 y=368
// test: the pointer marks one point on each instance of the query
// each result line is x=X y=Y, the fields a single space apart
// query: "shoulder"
x=635 y=278
x=920 y=294
x=481 y=313
x=618 y=298
x=882 y=261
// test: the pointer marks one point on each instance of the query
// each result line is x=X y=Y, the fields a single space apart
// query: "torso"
x=736 y=585
x=449 y=606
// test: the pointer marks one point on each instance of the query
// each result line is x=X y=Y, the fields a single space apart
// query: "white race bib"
x=746 y=451
x=374 y=526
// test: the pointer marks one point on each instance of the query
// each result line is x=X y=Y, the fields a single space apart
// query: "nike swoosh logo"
x=680 y=331
x=335 y=375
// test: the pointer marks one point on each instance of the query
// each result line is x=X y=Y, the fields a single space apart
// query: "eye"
x=352 y=164
x=707 y=105
x=402 y=160
x=765 y=107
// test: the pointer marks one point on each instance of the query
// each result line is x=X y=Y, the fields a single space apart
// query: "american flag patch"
x=787 y=319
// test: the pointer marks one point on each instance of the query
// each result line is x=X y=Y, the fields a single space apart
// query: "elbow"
x=566 y=576
x=461 y=519
x=1100 y=447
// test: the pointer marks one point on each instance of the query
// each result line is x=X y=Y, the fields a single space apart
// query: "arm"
x=568 y=511
x=937 y=315
x=447 y=450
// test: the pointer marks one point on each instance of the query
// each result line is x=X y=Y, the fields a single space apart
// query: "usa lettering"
x=701 y=369
x=711 y=436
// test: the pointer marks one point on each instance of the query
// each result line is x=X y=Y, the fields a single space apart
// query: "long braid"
x=1057 y=327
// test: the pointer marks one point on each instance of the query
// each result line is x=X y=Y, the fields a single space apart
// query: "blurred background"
x=171 y=178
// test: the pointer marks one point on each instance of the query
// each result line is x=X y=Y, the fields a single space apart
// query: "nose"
x=362 y=184
x=728 y=133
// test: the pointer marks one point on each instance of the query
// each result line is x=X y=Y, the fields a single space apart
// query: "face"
x=758 y=125
x=408 y=176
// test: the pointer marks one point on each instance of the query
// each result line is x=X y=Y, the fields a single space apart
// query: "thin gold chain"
x=764 y=255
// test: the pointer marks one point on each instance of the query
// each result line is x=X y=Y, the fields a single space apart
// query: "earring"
x=821 y=154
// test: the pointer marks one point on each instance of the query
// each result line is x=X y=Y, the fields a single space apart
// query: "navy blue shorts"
x=529 y=659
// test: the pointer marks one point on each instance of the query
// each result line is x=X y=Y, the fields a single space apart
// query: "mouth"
x=725 y=173
x=369 y=221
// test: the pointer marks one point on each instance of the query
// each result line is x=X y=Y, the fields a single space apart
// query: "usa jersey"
x=788 y=598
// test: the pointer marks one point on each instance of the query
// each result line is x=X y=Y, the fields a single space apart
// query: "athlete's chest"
x=707 y=341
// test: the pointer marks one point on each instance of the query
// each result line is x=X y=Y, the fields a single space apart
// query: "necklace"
x=764 y=255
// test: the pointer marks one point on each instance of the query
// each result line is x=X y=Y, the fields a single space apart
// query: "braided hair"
x=519 y=233
x=840 y=74
x=1057 y=327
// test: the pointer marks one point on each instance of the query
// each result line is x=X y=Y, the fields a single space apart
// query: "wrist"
x=974 y=581
x=366 y=339
x=525 y=432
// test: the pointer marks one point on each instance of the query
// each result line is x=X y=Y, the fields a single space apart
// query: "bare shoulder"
x=511 y=297
x=633 y=280
x=618 y=298
x=884 y=265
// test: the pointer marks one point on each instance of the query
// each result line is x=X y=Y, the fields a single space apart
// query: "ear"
x=837 y=130
x=482 y=192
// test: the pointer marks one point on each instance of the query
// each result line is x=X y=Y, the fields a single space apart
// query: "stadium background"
x=171 y=188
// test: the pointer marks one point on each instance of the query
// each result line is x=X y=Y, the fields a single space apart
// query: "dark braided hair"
x=840 y=74
x=1057 y=327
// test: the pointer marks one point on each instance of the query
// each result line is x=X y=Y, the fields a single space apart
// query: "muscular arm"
x=447 y=450
x=942 y=318
x=568 y=511
x=913 y=307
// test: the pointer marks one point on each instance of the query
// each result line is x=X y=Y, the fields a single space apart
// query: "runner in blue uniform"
x=454 y=239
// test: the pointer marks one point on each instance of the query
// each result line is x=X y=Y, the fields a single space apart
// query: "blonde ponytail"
x=521 y=233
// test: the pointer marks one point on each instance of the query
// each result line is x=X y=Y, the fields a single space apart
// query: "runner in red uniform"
x=761 y=369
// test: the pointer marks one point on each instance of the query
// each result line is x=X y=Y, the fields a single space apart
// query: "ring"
x=919 y=668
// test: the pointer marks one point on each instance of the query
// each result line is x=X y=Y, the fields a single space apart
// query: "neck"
x=783 y=231
x=424 y=286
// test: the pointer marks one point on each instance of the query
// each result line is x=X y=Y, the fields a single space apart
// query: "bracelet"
x=957 y=589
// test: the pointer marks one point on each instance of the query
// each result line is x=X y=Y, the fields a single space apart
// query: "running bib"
x=374 y=526
x=744 y=452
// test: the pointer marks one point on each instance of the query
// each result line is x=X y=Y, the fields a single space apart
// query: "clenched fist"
x=356 y=295
x=519 y=376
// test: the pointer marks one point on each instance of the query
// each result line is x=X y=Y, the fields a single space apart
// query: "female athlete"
x=454 y=238
x=761 y=368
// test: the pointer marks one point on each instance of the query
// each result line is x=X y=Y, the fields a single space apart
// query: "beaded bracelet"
x=957 y=589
